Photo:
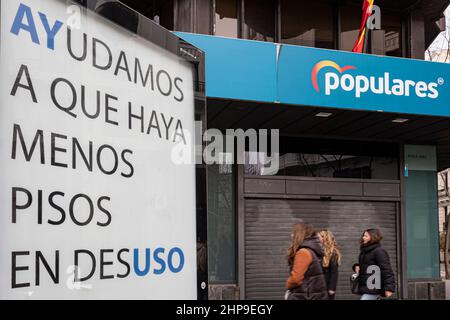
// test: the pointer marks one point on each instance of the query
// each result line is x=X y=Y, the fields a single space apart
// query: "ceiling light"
x=400 y=120
x=324 y=114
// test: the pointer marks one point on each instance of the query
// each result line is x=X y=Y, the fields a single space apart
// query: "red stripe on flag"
x=367 y=12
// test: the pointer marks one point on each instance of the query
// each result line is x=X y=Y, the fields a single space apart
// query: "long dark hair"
x=375 y=236
x=300 y=232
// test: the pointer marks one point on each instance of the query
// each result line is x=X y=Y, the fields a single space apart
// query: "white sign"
x=91 y=204
x=420 y=157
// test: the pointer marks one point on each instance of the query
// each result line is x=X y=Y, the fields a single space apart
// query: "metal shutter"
x=267 y=236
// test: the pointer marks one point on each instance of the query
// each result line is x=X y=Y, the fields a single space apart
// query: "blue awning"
x=276 y=73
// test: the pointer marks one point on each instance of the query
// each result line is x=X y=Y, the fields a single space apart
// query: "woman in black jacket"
x=376 y=277
x=330 y=262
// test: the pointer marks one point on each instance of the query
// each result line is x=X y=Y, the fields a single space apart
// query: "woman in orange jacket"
x=306 y=280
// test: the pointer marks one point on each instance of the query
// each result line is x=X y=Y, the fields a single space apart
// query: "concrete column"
x=417 y=36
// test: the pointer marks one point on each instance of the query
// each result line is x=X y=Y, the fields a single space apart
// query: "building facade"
x=347 y=163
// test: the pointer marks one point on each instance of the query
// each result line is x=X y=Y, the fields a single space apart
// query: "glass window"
x=221 y=224
x=261 y=164
x=422 y=226
x=259 y=19
x=226 y=18
x=338 y=166
x=159 y=11
x=307 y=24
x=388 y=40
x=331 y=166
x=329 y=159
x=350 y=17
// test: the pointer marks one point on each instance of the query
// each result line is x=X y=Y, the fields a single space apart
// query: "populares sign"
x=92 y=203
x=327 y=78
x=337 y=79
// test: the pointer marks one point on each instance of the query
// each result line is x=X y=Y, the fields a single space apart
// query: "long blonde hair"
x=330 y=248
x=300 y=232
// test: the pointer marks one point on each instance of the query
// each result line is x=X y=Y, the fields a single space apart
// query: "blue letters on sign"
x=18 y=24
x=51 y=32
x=160 y=263
x=159 y=260
x=136 y=262
x=181 y=263
x=24 y=13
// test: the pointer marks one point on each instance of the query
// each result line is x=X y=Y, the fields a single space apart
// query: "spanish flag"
x=367 y=12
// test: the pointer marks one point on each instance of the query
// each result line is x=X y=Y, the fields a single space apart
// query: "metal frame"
x=241 y=231
x=239 y=10
x=405 y=26
x=337 y=25
x=401 y=227
x=242 y=28
x=437 y=219
x=405 y=32
x=278 y=22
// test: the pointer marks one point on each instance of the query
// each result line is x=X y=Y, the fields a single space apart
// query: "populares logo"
x=338 y=78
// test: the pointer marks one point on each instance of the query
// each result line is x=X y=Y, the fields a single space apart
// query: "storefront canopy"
x=366 y=96
x=270 y=72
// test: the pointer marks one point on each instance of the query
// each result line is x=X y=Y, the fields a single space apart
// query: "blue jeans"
x=370 y=296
